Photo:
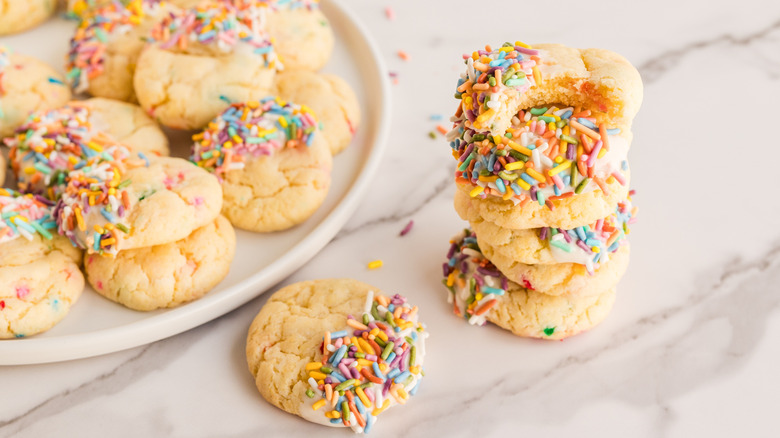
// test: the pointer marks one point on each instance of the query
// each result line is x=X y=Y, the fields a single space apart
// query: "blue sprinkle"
x=587 y=123
x=527 y=178
x=613 y=131
x=339 y=334
x=492 y=290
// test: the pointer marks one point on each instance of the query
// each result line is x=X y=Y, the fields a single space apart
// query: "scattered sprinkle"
x=407 y=228
x=24 y=216
x=390 y=13
x=442 y=130
x=403 y=55
x=376 y=264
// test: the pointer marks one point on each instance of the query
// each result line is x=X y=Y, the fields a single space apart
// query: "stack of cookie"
x=541 y=137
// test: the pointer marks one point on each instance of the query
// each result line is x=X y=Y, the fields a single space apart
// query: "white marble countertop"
x=691 y=347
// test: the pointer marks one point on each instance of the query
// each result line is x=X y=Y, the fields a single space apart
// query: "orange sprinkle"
x=442 y=130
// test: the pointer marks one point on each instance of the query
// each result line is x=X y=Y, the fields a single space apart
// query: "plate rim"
x=90 y=344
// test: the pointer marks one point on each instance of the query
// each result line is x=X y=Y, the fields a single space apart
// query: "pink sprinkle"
x=2 y=305
x=100 y=285
x=407 y=228
x=22 y=291
x=390 y=13
x=198 y=201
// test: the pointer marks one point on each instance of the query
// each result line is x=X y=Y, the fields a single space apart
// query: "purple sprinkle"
x=451 y=252
x=543 y=233
x=466 y=153
x=445 y=267
x=571 y=150
x=504 y=283
x=533 y=193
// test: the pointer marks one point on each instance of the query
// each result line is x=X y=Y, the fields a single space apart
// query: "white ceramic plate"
x=97 y=326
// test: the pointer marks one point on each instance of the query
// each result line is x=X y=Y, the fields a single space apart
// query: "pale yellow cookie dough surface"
x=575 y=211
x=3 y=165
x=186 y=91
x=20 y=15
x=288 y=331
x=279 y=191
x=26 y=88
x=21 y=251
x=129 y=125
x=121 y=57
x=330 y=97
x=303 y=38
x=166 y=275
x=564 y=278
x=527 y=313
x=168 y=200
x=35 y=296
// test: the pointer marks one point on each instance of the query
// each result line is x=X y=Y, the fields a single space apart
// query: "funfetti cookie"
x=552 y=167
x=39 y=270
x=480 y=293
x=26 y=85
x=52 y=143
x=109 y=206
x=272 y=159
x=106 y=45
x=330 y=97
x=167 y=275
x=336 y=352
x=20 y=15
x=202 y=60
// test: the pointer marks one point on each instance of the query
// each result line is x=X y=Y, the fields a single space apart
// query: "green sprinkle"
x=413 y=356
x=492 y=81
x=345 y=411
x=569 y=139
x=380 y=342
x=40 y=230
x=345 y=384
x=547 y=119
x=540 y=198
x=562 y=245
x=388 y=349
x=389 y=319
x=478 y=137
x=515 y=82
x=366 y=319
x=549 y=331
x=373 y=310
x=43 y=168
x=432 y=134
x=582 y=186
x=124 y=184
x=538 y=111
x=123 y=228
x=326 y=370
x=309 y=393
x=509 y=176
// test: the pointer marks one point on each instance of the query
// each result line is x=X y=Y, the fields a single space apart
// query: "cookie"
x=39 y=272
x=314 y=339
x=273 y=161
x=330 y=97
x=302 y=34
x=549 y=156
x=498 y=83
x=167 y=275
x=2 y=169
x=202 y=60
x=52 y=143
x=26 y=85
x=109 y=206
x=105 y=48
x=20 y=15
x=589 y=245
x=480 y=294
x=568 y=213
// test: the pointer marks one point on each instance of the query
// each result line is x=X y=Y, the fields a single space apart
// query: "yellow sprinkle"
x=560 y=168
x=522 y=44
x=227 y=145
x=282 y=122
x=506 y=49
x=535 y=175
x=558 y=159
x=382 y=336
x=484 y=117
x=522 y=149
x=355 y=343
x=320 y=403
x=611 y=179
x=524 y=185
x=596 y=249
x=29 y=170
x=362 y=395
x=491 y=178
x=537 y=75
x=478 y=296
x=365 y=362
x=333 y=414
x=514 y=166
x=476 y=191
x=311 y=366
x=602 y=152
x=94 y=146
x=415 y=369
x=376 y=264
x=451 y=279
x=99 y=229
x=507 y=195
x=317 y=375
x=378 y=410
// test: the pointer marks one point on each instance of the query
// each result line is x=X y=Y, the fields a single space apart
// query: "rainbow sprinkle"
x=87 y=53
x=97 y=194
x=25 y=216
x=493 y=78
x=291 y=4
x=476 y=285
x=547 y=154
x=372 y=365
x=591 y=245
x=55 y=142
x=218 y=23
x=251 y=130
